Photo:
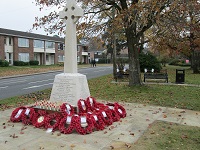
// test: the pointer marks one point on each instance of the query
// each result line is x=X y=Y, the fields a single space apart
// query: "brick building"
x=24 y=46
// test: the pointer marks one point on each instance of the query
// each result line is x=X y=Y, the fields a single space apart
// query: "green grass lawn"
x=169 y=136
x=162 y=95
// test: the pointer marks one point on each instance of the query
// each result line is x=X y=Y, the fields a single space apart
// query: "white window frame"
x=23 y=57
x=23 y=42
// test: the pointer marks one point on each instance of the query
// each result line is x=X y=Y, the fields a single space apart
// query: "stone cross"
x=71 y=14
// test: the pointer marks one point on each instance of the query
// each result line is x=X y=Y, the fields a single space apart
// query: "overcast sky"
x=19 y=15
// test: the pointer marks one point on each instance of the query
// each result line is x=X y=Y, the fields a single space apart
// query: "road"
x=17 y=86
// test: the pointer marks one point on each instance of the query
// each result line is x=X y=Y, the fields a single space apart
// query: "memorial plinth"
x=69 y=87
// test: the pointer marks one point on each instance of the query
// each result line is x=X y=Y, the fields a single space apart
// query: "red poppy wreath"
x=52 y=121
x=39 y=118
x=67 y=124
x=84 y=124
x=27 y=115
x=82 y=106
x=16 y=115
x=66 y=109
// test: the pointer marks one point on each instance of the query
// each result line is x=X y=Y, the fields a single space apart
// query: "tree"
x=133 y=17
x=178 y=33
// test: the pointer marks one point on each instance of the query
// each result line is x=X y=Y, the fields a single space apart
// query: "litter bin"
x=180 y=75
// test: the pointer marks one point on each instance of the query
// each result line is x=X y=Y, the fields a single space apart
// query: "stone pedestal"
x=69 y=87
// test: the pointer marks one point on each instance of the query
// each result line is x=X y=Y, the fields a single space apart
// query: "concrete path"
x=126 y=131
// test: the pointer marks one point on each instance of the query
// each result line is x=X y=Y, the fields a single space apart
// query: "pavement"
x=13 y=136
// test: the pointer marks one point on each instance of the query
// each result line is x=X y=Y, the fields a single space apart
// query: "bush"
x=103 y=61
x=34 y=62
x=60 y=64
x=20 y=63
x=4 y=63
x=179 y=62
x=149 y=61
x=174 y=62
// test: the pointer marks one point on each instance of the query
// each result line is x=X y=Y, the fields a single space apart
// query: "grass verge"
x=184 y=97
x=165 y=135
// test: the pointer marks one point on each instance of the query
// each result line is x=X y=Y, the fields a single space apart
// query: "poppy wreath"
x=16 y=115
x=89 y=125
x=106 y=116
x=52 y=121
x=115 y=115
x=67 y=124
x=91 y=103
x=82 y=106
x=120 y=110
x=66 y=109
x=39 y=118
x=27 y=115
x=97 y=121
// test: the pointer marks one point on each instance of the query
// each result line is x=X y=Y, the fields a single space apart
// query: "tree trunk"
x=134 y=65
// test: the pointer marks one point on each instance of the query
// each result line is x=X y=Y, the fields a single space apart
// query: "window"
x=38 y=44
x=60 y=46
x=5 y=40
x=78 y=58
x=61 y=58
x=78 y=48
x=10 y=41
x=50 y=44
x=24 y=57
x=22 y=42
x=47 y=57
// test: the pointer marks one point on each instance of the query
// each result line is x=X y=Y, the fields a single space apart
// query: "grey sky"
x=19 y=15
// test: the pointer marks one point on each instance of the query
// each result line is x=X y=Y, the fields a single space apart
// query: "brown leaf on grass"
x=72 y=145
x=41 y=147
x=152 y=132
x=112 y=147
x=183 y=111
x=127 y=145
x=164 y=116
x=132 y=134
x=184 y=136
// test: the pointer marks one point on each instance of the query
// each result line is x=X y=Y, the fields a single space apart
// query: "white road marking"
x=11 y=82
x=100 y=70
x=40 y=81
x=3 y=87
x=36 y=86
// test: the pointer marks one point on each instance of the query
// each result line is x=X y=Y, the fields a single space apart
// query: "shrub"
x=60 y=64
x=179 y=62
x=174 y=62
x=149 y=61
x=103 y=61
x=4 y=63
x=20 y=63
x=34 y=62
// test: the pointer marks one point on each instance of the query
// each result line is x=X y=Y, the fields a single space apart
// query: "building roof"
x=29 y=35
